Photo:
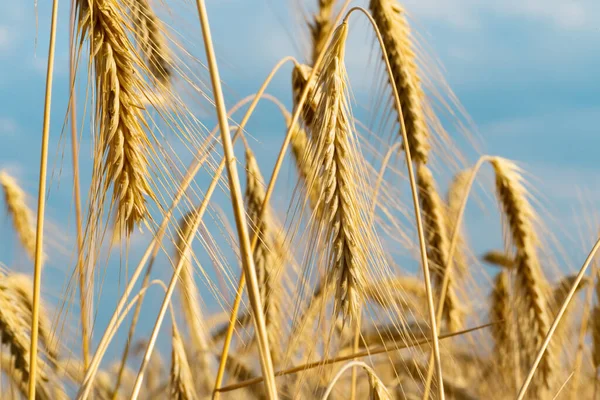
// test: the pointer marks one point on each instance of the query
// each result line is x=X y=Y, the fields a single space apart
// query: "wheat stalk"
x=21 y=214
x=122 y=143
x=395 y=32
x=530 y=283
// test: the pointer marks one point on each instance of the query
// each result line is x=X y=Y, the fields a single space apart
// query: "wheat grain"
x=502 y=332
x=300 y=75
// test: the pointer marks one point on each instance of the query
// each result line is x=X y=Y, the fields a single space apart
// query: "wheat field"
x=329 y=260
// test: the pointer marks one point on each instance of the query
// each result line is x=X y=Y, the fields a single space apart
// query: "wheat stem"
x=39 y=234
x=364 y=353
x=83 y=304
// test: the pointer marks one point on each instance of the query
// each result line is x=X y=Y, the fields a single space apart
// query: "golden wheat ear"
x=530 y=283
x=395 y=32
x=265 y=258
x=149 y=33
x=499 y=258
x=181 y=381
x=20 y=213
x=120 y=157
x=334 y=164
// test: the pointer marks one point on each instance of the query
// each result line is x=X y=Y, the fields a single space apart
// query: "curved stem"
x=353 y=365
x=417 y=208
x=39 y=232
x=559 y=316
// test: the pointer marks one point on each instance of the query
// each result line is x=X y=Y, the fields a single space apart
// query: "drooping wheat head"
x=20 y=213
x=122 y=145
x=530 y=283
x=395 y=32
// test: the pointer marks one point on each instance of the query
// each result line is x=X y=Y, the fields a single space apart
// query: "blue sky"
x=527 y=72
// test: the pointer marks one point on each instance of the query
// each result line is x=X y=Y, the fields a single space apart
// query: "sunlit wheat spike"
x=265 y=257
x=391 y=21
x=501 y=311
x=150 y=35
x=335 y=161
x=301 y=152
x=15 y=327
x=456 y=193
x=300 y=75
x=321 y=27
x=561 y=290
x=438 y=243
x=181 y=381
x=530 y=283
x=122 y=145
x=20 y=213
x=499 y=259
x=190 y=303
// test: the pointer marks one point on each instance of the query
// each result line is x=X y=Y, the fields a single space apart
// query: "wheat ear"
x=502 y=332
x=530 y=283
x=321 y=27
x=15 y=332
x=21 y=214
x=122 y=143
x=395 y=32
x=499 y=259
x=181 y=381
x=300 y=75
x=150 y=37
x=435 y=226
x=265 y=258
x=190 y=303
x=301 y=150
x=336 y=157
